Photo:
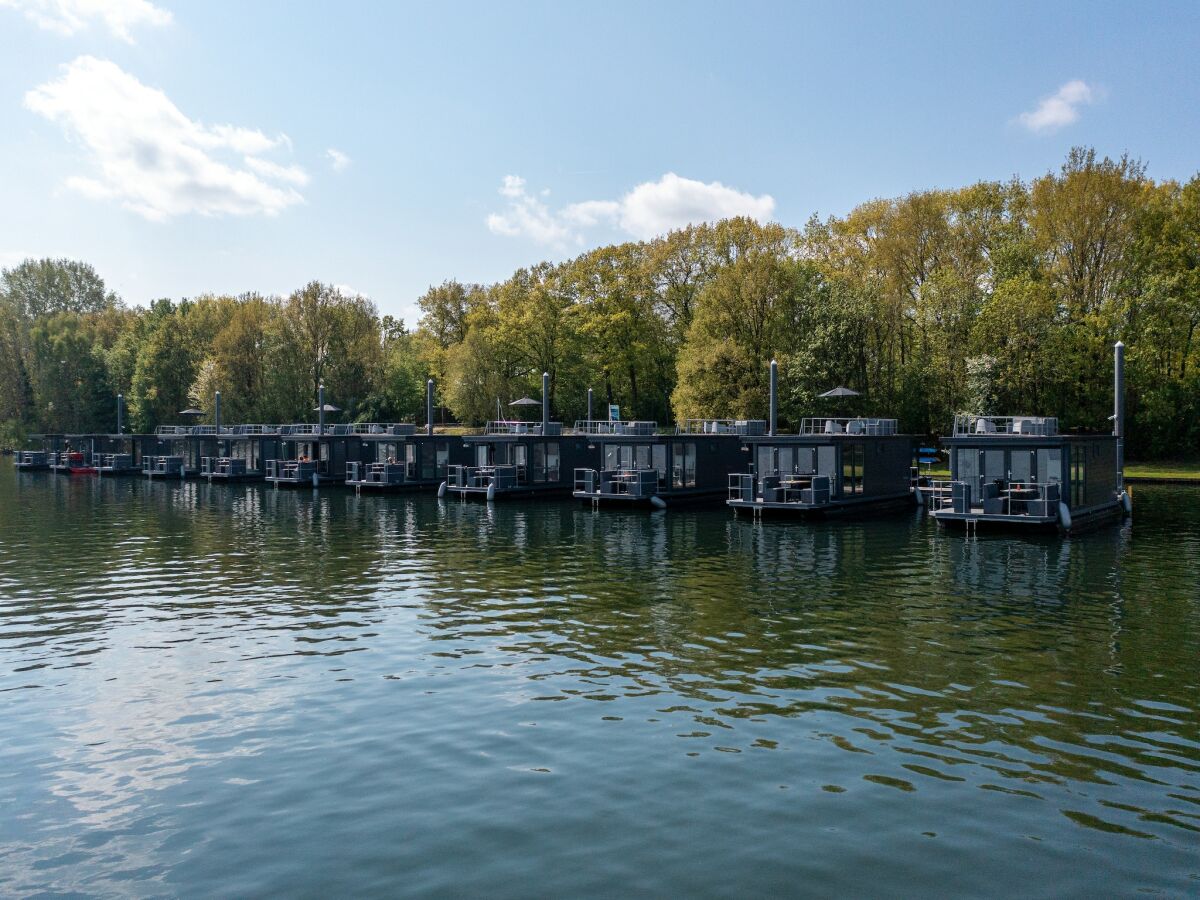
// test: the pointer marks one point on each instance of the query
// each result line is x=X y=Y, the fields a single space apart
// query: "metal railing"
x=376 y=473
x=222 y=466
x=722 y=426
x=389 y=428
x=1009 y=498
x=1024 y=426
x=291 y=469
x=504 y=426
x=168 y=466
x=603 y=426
x=851 y=425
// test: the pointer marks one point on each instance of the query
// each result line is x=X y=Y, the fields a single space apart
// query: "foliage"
x=998 y=296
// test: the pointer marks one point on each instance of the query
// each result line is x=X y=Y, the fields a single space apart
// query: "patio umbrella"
x=191 y=411
x=328 y=407
x=526 y=401
x=841 y=394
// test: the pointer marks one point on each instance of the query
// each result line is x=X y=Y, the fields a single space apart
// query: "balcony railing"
x=381 y=474
x=997 y=498
x=1022 y=426
x=291 y=470
x=722 y=426
x=503 y=426
x=804 y=490
x=483 y=477
x=222 y=466
x=855 y=425
x=601 y=426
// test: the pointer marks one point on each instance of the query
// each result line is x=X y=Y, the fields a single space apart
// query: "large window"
x=553 y=465
x=659 y=458
x=853 y=457
x=539 y=463
x=443 y=458
x=428 y=461
x=683 y=464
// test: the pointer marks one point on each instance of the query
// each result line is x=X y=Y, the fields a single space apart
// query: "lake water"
x=234 y=691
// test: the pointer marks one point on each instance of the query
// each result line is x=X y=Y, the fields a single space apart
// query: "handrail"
x=1021 y=426
x=722 y=426
x=605 y=426
x=505 y=426
x=853 y=425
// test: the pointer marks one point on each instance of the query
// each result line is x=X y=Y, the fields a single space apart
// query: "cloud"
x=1059 y=109
x=650 y=209
x=68 y=17
x=337 y=159
x=152 y=159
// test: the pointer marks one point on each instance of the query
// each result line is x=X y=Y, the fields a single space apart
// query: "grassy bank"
x=1163 y=471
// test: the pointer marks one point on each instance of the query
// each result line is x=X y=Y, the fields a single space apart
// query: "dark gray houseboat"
x=32 y=460
x=513 y=458
x=637 y=466
x=399 y=458
x=832 y=465
x=1020 y=471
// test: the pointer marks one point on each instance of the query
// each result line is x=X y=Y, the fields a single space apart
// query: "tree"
x=165 y=369
x=44 y=287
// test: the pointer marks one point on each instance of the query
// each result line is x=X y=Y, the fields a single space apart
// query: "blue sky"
x=185 y=148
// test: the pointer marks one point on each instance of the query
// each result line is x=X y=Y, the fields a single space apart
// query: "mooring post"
x=1119 y=409
x=774 y=397
x=429 y=407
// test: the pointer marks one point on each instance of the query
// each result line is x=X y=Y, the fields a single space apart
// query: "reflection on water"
x=234 y=690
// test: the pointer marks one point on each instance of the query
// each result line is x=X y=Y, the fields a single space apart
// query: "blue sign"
x=614 y=413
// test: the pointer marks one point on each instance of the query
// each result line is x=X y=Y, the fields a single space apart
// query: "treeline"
x=1002 y=297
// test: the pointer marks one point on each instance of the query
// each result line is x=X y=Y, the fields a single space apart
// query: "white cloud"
x=291 y=174
x=68 y=17
x=337 y=159
x=346 y=291
x=651 y=208
x=1059 y=109
x=154 y=160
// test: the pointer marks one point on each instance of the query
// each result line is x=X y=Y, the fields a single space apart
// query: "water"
x=235 y=691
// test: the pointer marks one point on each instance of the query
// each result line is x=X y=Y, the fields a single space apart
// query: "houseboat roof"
x=1004 y=426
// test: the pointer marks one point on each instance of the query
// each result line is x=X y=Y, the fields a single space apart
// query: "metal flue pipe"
x=545 y=402
x=120 y=413
x=774 y=421
x=589 y=404
x=429 y=407
x=321 y=408
x=217 y=412
x=1119 y=408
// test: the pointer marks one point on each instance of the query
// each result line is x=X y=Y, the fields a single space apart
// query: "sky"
x=223 y=147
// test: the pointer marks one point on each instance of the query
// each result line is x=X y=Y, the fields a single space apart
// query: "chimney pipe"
x=321 y=408
x=217 y=411
x=429 y=407
x=589 y=404
x=120 y=413
x=774 y=423
x=1119 y=409
x=545 y=402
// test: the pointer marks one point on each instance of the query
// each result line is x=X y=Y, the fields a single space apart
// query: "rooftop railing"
x=722 y=426
x=855 y=425
x=503 y=426
x=1022 y=426
x=390 y=428
x=602 y=426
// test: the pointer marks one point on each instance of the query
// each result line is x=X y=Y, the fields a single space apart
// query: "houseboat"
x=114 y=465
x=243 y=453
x=638 y=466
x=31 y=460
x=831 y=466
x=72 y=462
x=398 y=457
x=1022 y=472
x=513 y=458
x=314 y=455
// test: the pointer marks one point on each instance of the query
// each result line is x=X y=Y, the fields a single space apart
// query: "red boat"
x=77 y=464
